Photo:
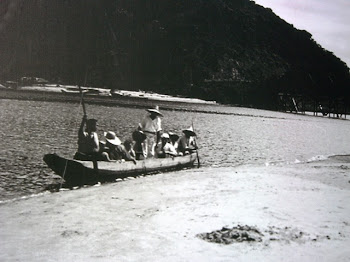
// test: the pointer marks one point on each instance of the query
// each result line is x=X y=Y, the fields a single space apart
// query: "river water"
x=227 y=136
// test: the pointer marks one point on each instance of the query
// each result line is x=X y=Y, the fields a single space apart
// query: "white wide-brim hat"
x=112 y=138
x=155 y=110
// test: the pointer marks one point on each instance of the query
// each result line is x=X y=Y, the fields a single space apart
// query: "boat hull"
x=76 y=172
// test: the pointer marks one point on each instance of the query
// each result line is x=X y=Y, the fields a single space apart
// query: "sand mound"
x=247 y=233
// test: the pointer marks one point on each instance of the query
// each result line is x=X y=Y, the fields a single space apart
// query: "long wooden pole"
x=82 y=100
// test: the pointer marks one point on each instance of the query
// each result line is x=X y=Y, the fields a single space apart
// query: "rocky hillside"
x=232 y=51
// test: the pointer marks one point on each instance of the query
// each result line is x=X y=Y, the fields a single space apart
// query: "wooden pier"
x=335 y=107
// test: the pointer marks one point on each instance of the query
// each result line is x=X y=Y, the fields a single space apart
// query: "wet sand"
x=301 y=210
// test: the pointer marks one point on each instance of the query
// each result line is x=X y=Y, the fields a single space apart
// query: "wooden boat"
x=76 y=172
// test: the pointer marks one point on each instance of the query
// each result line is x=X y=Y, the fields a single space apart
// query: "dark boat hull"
x=76 y=172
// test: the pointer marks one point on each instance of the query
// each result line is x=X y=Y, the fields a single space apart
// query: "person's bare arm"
x=97 y=143
x=81 y=128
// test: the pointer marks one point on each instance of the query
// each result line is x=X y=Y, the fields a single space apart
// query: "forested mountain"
x=232 y=51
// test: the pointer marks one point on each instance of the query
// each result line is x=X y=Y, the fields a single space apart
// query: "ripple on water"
x=240 y=136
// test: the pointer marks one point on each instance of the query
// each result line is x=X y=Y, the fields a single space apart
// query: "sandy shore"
x=54 y=88
x=301 y=210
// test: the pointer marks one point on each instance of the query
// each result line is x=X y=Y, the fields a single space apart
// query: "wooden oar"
x=195 y=141
x=82 y=100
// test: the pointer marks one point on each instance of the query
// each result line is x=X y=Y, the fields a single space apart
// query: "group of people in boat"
x=148 y=141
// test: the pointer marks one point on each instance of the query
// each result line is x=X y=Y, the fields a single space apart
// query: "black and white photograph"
x=175 y=130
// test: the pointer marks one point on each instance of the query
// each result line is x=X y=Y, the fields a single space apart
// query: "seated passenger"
x=88 y=142
x=129 y=153
x=114 y=150
x=165 y=148
x=139 y=147
x=128 y=144
x=110 y=151
x=187 y=143
x=174 y=139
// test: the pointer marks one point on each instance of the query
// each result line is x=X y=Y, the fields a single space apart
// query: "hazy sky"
x=327 y=20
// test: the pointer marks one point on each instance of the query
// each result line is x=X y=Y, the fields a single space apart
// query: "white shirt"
x=169 y=149
x=152 y=126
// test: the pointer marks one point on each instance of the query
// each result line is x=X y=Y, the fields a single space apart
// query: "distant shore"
x=100 y=96
x=101 y=92
x=300 y=212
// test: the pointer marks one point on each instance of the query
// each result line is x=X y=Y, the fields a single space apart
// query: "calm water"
x=238 y=136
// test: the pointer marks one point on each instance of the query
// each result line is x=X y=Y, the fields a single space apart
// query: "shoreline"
x=106 y=100
x=71 y=90
x=132 y=102
x=158 y=217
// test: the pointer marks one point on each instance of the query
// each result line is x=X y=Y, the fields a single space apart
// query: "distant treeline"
x=232 y=51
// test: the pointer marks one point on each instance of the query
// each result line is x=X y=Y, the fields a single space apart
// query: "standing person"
x=88 y=142
x=187 y=142
x=151 y=125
